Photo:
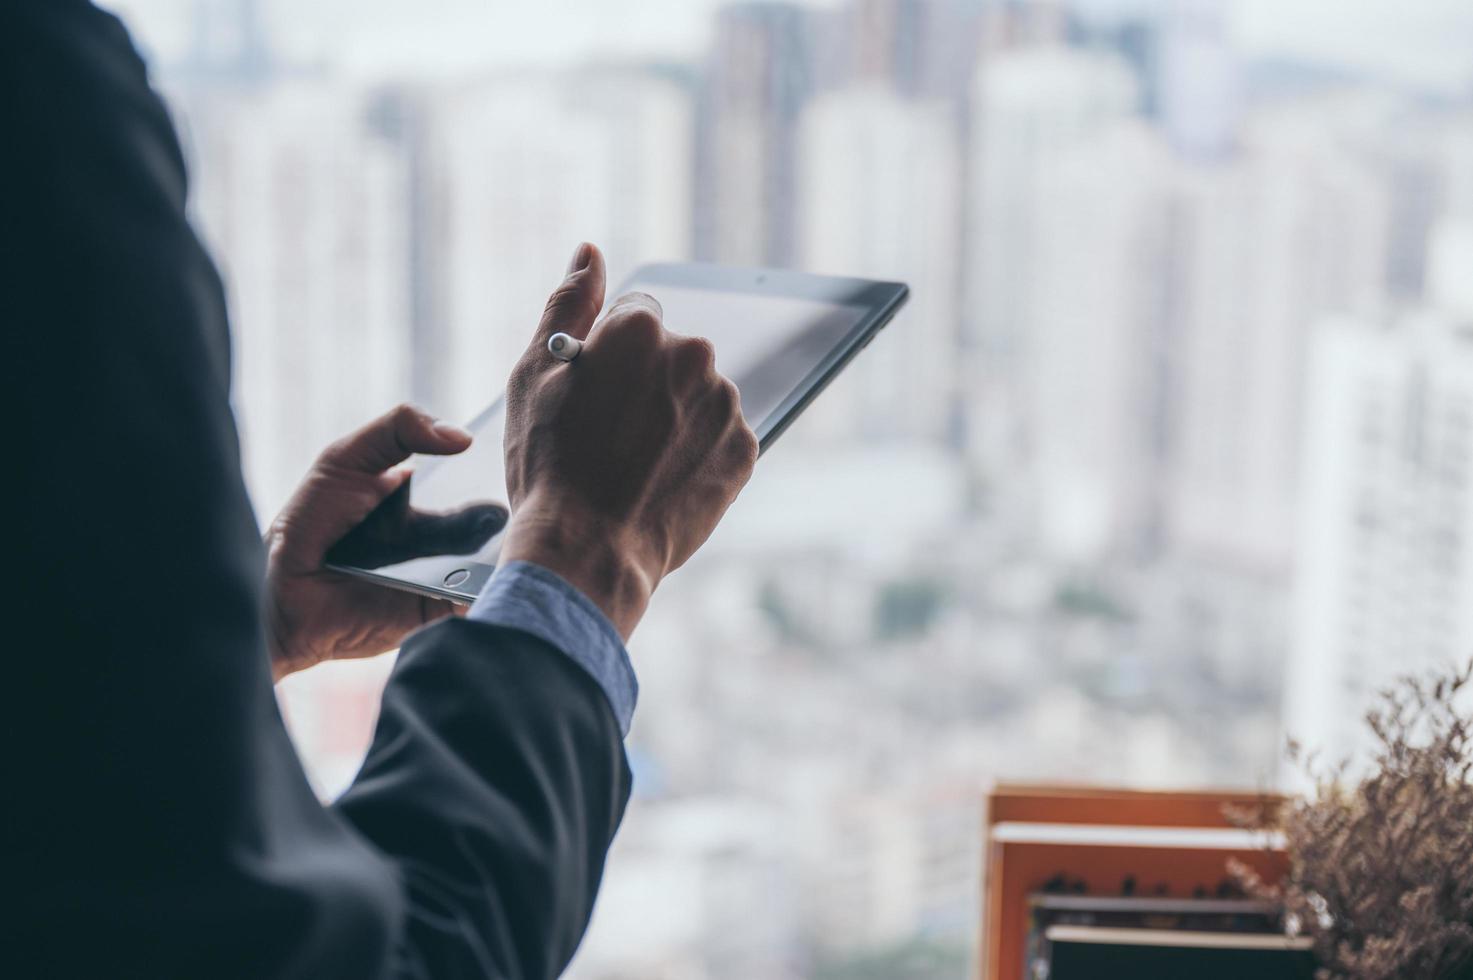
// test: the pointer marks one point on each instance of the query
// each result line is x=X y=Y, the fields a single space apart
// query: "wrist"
x=601 y=560
x=284 y=659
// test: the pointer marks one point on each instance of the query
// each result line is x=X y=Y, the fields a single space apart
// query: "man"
x=157 y=821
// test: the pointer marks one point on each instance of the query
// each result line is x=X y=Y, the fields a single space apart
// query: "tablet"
x=782 y=336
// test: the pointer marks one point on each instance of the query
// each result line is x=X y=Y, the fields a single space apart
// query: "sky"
x=1428 y=43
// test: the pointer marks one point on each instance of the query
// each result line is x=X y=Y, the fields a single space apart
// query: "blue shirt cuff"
x=528 y=597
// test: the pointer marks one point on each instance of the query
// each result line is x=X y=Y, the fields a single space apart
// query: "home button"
x=457 y=577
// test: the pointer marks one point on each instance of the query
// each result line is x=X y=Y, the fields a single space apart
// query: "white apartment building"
x=515 y=172
x=303 y=201
x=880 y=191
x=1385 y=579
x=1029 y=107
x=1145 y=315
x=1292 y=229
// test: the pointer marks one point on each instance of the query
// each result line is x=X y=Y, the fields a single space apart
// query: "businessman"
x=156 y=821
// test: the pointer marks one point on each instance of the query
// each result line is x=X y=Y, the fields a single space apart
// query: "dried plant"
x=1381 y=871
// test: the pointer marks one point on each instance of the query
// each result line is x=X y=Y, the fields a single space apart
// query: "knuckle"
x=640 y=299
x=636 y=325
x=403 y=420
x=700 y=352
x=744 y=448
x=643 y=319
x=730 y=397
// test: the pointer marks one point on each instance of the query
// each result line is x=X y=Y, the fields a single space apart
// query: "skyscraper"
x=1385 y=580
x=304 y=203
x=920 y=48
x=516 y=172
x=1146 y=314
x=1031 y=108
x=228 y=40
x=1198 y=84
x=1259 y=247
x=1094 y=383
x=757 y=79
x=879 y=180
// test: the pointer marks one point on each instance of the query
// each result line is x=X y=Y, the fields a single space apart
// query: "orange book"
x=1098 y=838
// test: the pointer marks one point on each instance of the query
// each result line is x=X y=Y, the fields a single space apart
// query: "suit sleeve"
x=157 y=822
x=498 y=808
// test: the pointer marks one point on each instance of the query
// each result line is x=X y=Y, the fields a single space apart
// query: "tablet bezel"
x=880 y=300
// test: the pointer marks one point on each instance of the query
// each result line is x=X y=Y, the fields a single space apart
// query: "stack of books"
x=1085 y=883
x=1081 y=937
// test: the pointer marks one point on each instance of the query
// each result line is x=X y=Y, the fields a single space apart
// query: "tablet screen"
x=768 y=345
x=771 y=345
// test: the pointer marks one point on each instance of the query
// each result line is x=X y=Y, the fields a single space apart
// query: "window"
x=1043 y=528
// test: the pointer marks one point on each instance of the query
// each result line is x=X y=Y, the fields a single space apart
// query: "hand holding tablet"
x=781 y=336
x=618 y=470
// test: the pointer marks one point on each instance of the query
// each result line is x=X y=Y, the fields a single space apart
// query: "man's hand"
x=620 y=463
x=314 y=614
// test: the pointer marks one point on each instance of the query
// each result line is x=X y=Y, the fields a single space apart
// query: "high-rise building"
x=1094 y=380
x=514 y=173
x=1449 y=280
x=303 y=202
x=1428 y=163
x=1385 y=576
x=1450 y=273
x=1010 y=26
x=758 y=76
x=1031 y=108
x=301 y=195
x=1146 y=315
x=879 y=181
x=227 y=40
x=920 y=48
x=1258 y=247
x=1197 y=87
x=1457 y=164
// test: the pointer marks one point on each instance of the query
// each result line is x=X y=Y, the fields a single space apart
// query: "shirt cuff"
x=528 y=597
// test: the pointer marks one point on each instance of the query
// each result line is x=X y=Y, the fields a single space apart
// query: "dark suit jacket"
x=156 y=822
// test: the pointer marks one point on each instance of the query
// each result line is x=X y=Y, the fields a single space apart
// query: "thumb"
x=574 y=304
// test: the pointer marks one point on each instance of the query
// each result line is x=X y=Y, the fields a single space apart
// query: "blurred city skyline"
x=1423 y=43
x=1170 y=455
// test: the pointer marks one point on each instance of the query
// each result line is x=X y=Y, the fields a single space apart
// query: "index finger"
x=636 y=300
x=629 y=306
